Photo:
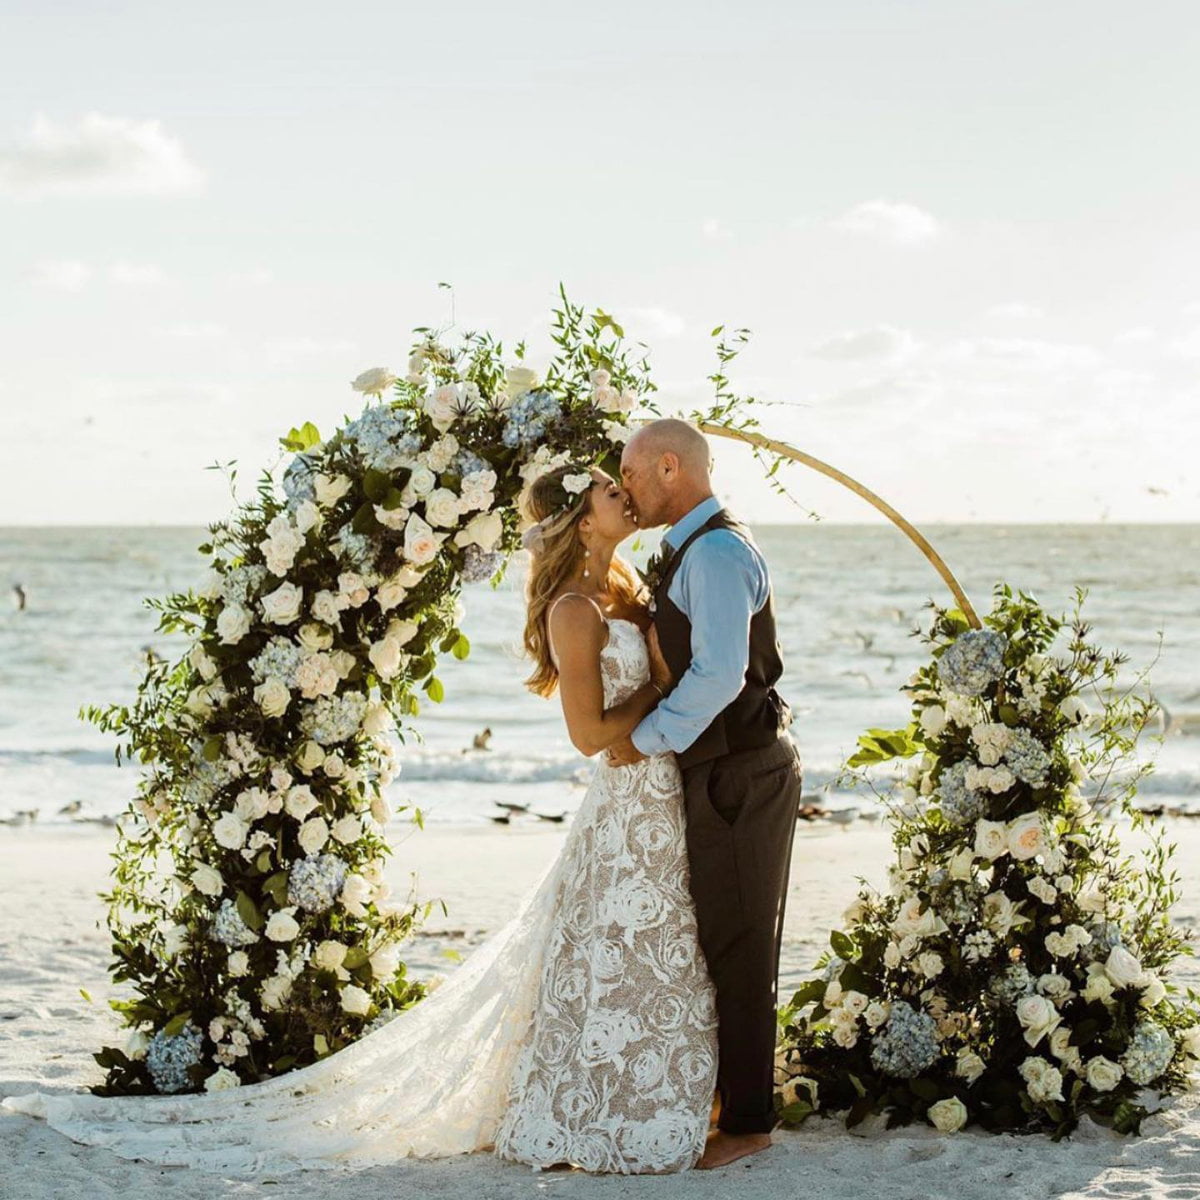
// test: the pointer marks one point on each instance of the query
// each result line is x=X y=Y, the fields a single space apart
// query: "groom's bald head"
x=665 y=469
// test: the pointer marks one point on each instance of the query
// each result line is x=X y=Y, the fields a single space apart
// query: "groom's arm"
x=721 y=583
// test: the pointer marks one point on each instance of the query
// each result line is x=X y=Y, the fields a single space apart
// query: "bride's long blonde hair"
x=556 y=554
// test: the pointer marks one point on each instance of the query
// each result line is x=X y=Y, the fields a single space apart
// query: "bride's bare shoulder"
x=575 y=619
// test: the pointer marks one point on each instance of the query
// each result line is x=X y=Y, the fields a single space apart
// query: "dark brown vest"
x=757 y=715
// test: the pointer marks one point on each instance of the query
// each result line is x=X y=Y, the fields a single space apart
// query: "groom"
x=715 y=626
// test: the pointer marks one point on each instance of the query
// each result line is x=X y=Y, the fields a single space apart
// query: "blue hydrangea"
x=905 y=1045
x=958 y=906
x=1027 y=757
x=205 y=779
x=241 y=584
x=298 y=483
x=529 y=415
x=467 y=462
x=332 y=719
x=168 y=1057
x=479 y=565
x=973 y=660
x=384 y=437
x=316 y=882
x=279 y=658
x=959 y=804
x=1105 y=935
x=357 y=549
x=229 y=929
x=1149 y=1052
x=1011 y=984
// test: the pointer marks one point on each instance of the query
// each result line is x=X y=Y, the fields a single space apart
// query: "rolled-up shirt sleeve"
x=721 y=583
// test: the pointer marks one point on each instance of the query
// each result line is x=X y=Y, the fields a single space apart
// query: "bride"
x=583 y=1031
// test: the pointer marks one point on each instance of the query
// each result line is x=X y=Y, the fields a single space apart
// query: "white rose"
x=355 y=1000
x=421 y=544
x=207 y=880
x=230 y=831
x=484 y=530
x=1123 y=968
x=876 y=1013
x=854 y=1002
x=239 y=963
x=1000 y=914
x=356 y=893
x=1043 y=1081
x=353 y=588
x=308 y=516
x=912 y=920
x=1026 y=836
x=282 y=926
x=377 y=718
x=1037 y=1016
x=1103 y=1074
x=300 y=801
x=373 y=382
x=343 y=663
x=390 y=593
x=599 y=378
x=233 y=624
x=1154 y=991
x=221 y=1080
x=386 y=657
x=312 y=755
x=346 y=829
x=519 y=379
x=1189 y=1039
x=1099 y=986
x=968 y=1065
x=1075 y=710
x=314 y=833
x=948 y=1115
x=930 y=964
x=385 y=961
x=315 y=637
x=444 y=405
x=991 y=838
x=272 y=697
x=325 y=607
x=891 y=956
x=274 y=992
x=960 y=864
x=329 y=955
x=933 y=720
x=442 y=508
x=333 y=766
x=330 y=489
x=202 y=663
x=282 y=606
x=422 y=480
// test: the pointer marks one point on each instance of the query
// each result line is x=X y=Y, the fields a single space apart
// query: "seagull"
x=842 y=816
x=555 y=817
x=480 y=741
x=19 y=596
x=68 y=809
x=512 y=808
x=500 y=818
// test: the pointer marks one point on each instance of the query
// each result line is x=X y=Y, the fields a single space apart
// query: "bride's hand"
x=660 y=673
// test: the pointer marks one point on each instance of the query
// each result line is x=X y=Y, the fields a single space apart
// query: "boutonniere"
x=652 y=573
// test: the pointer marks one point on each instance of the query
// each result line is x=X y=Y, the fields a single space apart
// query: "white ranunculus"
x=282 y=926
x=1103 y=1074
x=346 y=829
x=442 y=508
x=484 y=530
x=421 y=544
x=1037 y=1016
x=300 y=801
x=1123 y=968
x=314 y=833
x=353 y=589
x=207 y=880
x=233 y=623
x=991 y=838
x=312 y=755
x=230 y=831
x=282 y=606
x=272 y=697
x=373 y=382
x=330 y=489
x=1026 y=836
x=317 y=676
x=315 y=637
x=949 y=1115
x=355 y=1000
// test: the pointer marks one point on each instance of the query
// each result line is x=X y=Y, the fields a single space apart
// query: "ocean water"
x=850 y=599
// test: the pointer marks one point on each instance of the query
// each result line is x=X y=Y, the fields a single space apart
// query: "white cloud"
x=294 y=351
x=194 y=331
x=135 y=274
x=1187 y=346
x=883 y=341
x=657 y=322
x=1016 y=310
x=712 y=228
x=898 y=223
x=98 y=155
x=64 y=275
x=1138 y=334
x=1020 y=353
x=255 y=277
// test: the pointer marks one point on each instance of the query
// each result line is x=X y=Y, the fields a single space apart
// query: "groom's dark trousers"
x=741 y=781
x=741 y=820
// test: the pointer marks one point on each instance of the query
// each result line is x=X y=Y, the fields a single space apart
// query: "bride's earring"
x=586 y=555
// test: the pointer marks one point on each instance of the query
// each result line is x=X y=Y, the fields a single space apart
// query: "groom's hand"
x=660 y=673
x=623 y=753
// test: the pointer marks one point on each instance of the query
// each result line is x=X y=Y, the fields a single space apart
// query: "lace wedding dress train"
x=582 y=1031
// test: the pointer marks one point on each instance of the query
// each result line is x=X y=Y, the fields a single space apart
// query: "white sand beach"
x=53 y=942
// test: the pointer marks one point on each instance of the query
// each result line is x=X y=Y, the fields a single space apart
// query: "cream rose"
x=282 y=606
x=300 y=801
x=991 y=839
x=947 y=1116
x=1123 y=968
x=329 y=955
x=442 y=508
x=233 y=624
x=373 y=382
x=312 y=755
x=1026 y=836
x=421 y=544
x=326 y=607
x=315 y=637
x=230 y=831
x=1037 y=1016
x=1103 y=1074
x=314 y=833
x=272 y=697
x=355 y=1000
x=484 y=530
x=207 y=880
x=330 y=489
x=282 y=925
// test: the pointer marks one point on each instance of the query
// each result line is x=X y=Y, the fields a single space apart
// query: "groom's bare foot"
x=723 y=1148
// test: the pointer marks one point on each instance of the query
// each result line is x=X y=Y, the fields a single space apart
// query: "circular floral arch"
x=248 y=910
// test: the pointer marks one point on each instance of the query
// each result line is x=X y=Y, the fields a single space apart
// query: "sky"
x=964 y=237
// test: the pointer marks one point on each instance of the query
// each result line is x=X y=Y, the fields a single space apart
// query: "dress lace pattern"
x=582 y=1031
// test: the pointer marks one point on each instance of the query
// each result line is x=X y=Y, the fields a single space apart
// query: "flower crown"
x=570 y=491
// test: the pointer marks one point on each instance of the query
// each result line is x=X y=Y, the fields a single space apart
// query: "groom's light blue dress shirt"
x=720 y=584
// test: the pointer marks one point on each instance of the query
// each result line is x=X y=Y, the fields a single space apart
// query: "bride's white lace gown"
x=583 y=1031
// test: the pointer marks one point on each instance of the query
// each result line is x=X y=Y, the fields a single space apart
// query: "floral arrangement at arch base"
x=1016 y=973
